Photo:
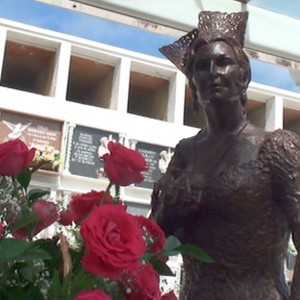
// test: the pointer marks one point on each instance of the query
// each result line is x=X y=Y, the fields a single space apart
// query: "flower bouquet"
x=101 y=252
x=47 y=157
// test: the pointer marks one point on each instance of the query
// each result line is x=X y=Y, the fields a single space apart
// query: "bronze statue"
x=233 y=189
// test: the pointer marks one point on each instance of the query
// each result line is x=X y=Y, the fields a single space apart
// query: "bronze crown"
x=212 y=26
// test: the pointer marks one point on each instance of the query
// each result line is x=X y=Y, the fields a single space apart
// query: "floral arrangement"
x=105 y=253
x=48 y=157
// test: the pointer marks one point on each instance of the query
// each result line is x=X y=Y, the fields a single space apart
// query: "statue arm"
x=291 y=206
x=284 y=155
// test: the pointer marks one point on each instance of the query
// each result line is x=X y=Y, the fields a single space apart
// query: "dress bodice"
x=236 y=214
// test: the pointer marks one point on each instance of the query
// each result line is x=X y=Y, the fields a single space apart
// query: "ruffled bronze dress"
x=241 y=216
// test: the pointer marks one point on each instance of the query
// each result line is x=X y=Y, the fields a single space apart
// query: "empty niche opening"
x=291 y=120
x=90 y=82
x=148 y=96
x=28 y=68
x=256 y=113
x=192 y=117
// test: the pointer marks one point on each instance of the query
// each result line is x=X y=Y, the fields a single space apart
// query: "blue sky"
x=69 y=22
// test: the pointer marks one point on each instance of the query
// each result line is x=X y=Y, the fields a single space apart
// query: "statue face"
x=216 y=73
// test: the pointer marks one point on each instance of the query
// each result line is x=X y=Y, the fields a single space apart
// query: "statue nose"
x=213 y=68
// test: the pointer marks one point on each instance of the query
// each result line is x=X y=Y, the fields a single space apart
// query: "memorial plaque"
x=87 y=145
x=43 y=134
x=158 y=159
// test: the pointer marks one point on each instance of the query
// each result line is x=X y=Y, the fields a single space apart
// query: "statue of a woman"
x=233 y=189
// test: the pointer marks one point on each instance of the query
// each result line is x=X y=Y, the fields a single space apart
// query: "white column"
x=70 y=131
x=177 y=99
x=62 y=69
x=274 y=113
x=120 y=88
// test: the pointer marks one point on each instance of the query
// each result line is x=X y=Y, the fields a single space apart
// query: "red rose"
x=15 y=157
x=169 y=296
x=123 y=166
x=46 y=213
x=92 y=295
x=141 y=284
x=66 y=218
x=21 y=234
x=113 y=240
x=81 y=205
x=153 y=234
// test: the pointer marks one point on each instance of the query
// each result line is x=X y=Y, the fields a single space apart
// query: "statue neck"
x=224 y=119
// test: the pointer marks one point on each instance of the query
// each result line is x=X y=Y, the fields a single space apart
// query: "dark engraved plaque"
x=158 y=158
x=87 y=145
x=43 y=134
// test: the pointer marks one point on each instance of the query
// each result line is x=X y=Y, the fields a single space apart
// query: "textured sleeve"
x=164 y=198
x=282 y=150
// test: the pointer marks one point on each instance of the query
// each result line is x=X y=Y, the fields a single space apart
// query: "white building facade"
x=72 y=95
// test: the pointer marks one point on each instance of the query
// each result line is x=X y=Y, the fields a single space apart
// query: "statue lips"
x=216 y=86
x=217 y=91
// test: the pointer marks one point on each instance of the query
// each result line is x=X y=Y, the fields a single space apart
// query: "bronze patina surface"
x=233 y=189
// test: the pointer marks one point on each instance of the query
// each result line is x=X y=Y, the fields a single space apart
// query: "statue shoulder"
x=183 y=151
x=184 y=147
x=282 y=147
x=283 y=139
x=187 y=143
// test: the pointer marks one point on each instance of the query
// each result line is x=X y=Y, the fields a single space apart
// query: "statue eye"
x=225 y=61
x=202 y=65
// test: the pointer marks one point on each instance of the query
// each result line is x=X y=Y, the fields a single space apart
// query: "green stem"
x=16 y=189
x=103 y=200
x=117 y=194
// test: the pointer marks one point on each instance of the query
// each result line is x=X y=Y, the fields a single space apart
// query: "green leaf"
x=24 y=178
x=170 y=252
x=161 y=267
x=196 y=252
x=29 y=293
x=172 y=243
x=36 y=194
x=54 y=292
x=148 y=256
x=10 y=249
x=49 y=246
x=27 y=273
x=34 y=253
x=28 y=221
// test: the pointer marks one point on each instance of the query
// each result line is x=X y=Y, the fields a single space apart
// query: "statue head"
x=212 y=27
